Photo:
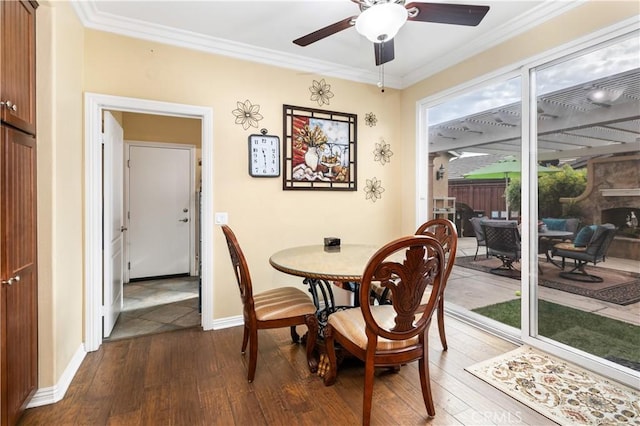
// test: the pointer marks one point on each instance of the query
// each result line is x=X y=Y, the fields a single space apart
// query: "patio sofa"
x=557 y=224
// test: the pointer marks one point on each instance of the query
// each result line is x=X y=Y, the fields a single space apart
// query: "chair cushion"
x=555 y=224
x=584 y=236
x=569 y=247
x=282 y=302
x=350 y=323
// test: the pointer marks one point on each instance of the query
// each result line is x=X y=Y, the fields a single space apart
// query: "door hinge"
x=102 y=310
x=129 y=265
x=102 y=138
x=128 y=164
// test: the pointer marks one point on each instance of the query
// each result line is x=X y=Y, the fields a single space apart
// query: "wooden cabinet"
x=18 y=246
x=19 y=274
x=17 y=79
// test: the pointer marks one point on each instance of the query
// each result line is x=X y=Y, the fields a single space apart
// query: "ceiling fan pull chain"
x=379 y=50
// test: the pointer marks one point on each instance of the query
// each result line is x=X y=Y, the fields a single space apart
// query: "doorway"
x=95 y=105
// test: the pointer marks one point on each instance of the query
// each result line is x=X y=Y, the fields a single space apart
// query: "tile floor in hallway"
x=160 y=305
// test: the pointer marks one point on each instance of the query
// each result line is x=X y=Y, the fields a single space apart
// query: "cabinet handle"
x=11 y=280
x=183 y=220
x=13 y=107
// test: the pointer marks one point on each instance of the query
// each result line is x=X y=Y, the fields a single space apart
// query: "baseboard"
x=55 y=393
x=228 y=322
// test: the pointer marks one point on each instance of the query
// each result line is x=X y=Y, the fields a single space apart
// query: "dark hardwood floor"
x=192 y=377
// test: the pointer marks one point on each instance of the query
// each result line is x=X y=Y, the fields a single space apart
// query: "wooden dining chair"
x=445 y=232
x=276 y=308
x=395 y=334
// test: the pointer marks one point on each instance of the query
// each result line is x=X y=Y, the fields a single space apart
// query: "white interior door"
x=113 y=222
x=160 y=210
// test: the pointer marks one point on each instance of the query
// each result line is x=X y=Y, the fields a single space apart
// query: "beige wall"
x=60 y=46
x=266 y=218
x=158 y=128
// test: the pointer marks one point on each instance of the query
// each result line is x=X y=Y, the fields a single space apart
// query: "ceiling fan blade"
x=458 y=14
x=384 y=52
x=325 y=32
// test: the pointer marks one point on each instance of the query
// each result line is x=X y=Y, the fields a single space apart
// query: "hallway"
x=155 y=306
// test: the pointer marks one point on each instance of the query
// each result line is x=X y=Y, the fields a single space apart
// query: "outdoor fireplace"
x=625 y=219
x=611 y=195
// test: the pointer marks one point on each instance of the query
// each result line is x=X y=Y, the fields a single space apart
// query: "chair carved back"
x=445 y=232
x=406 y=267
x=241 y=270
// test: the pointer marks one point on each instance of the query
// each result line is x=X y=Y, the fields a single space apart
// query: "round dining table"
x=323 y=267
x=342 y=263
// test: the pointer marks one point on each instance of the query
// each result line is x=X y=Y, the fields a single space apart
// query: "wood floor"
x=192 y=377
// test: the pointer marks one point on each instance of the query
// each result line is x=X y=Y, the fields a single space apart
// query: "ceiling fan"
x=380 y=20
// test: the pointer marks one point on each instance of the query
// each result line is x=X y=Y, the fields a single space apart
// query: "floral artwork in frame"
x=319 y=149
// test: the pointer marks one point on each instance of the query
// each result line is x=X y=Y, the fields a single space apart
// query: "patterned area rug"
x=560 y=391
x=619 y=287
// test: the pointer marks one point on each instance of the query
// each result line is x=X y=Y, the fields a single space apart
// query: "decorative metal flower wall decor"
x=370 y=119
x=373 y=189
x=383 y=152
x=247 y=114
x=321 y=92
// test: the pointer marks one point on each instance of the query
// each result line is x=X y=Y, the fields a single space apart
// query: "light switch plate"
x=221 y=218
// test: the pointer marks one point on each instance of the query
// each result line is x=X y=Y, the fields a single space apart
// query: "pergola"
x=572 y=123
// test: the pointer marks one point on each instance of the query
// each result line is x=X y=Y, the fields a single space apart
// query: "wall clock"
x=264 y=155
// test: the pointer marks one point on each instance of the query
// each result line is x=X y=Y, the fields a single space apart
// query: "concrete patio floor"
x=472 y=289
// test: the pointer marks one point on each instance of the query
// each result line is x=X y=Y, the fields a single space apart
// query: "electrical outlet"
x=221 y=218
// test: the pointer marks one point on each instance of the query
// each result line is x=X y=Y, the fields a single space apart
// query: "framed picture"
x=319 y=149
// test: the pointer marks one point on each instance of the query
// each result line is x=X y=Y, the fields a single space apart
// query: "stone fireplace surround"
x=612 y=192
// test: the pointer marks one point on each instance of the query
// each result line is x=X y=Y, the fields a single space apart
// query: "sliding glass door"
x=554 y=147
x=477 y=134
x=587 y=119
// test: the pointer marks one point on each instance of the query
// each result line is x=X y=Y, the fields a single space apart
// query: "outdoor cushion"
x=584 y=236
x=572 y=224
x=555 y=224
x=569 y=247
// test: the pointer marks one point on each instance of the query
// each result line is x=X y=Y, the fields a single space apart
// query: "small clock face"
x=264 y=156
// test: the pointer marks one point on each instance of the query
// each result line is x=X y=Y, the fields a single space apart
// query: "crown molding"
x=532 y=18
x=92 y=18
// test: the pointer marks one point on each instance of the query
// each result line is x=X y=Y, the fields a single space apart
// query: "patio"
x=472 y=289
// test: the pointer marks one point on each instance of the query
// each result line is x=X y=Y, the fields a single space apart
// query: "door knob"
x=12 y=280
x=123 y=228
x=183 y=220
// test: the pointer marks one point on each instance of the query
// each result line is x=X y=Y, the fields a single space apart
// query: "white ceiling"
x=263 y=31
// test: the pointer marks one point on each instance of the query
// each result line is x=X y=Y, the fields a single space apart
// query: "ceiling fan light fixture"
x=603 y=95
x=381 y=22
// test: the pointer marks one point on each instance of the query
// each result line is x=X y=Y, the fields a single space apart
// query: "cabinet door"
x=18 y=271
x=17 y=65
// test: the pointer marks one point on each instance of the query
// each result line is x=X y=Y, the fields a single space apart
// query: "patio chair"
x=503 y=241
x=594 y=251
x=276 y=308
x=391 y=335
x=479 y=233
